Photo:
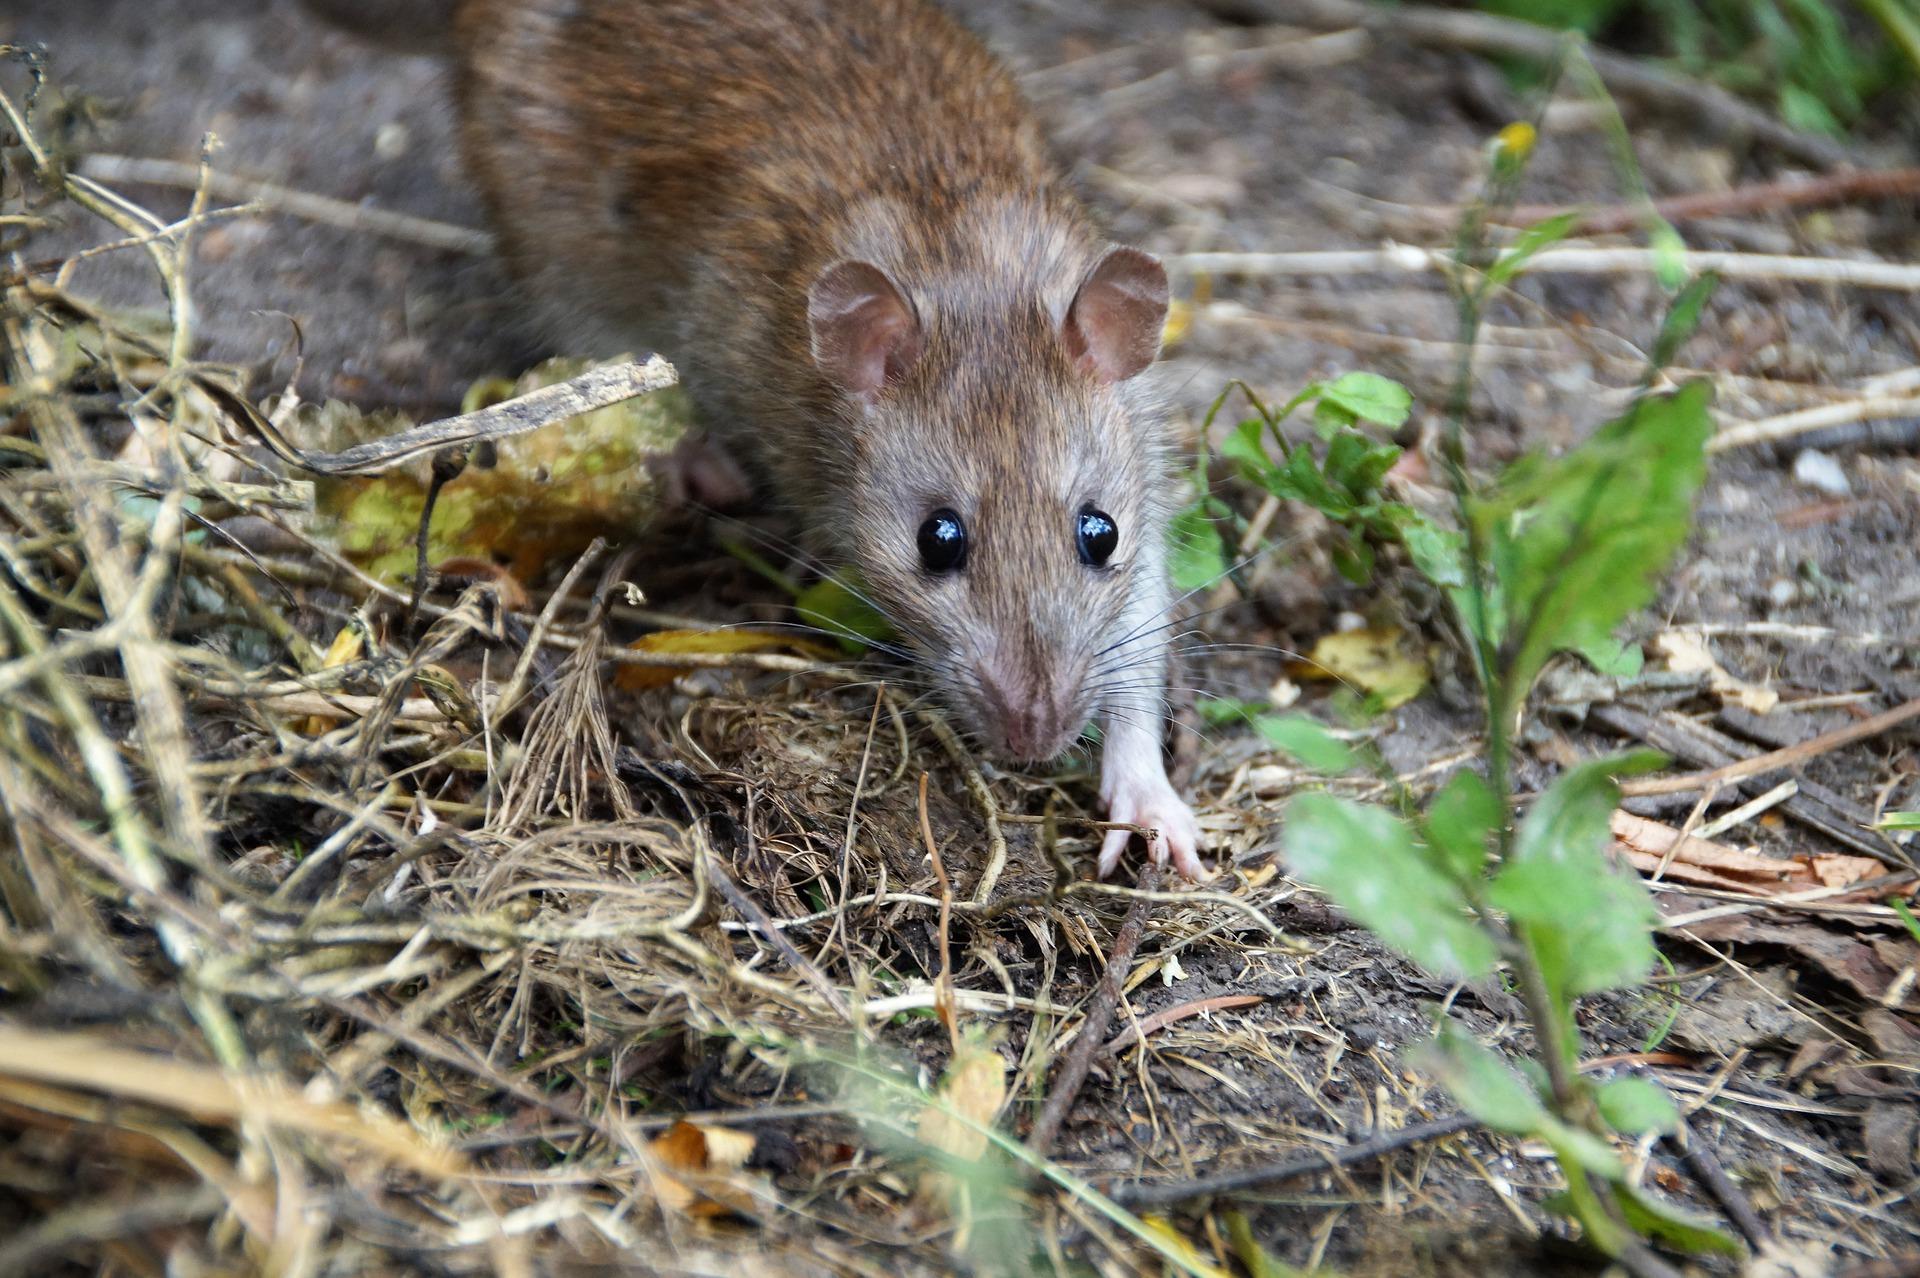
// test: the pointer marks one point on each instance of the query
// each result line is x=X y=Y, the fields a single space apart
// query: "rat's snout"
x=1029 y=715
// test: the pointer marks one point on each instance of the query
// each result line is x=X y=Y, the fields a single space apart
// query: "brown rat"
x=841 y=222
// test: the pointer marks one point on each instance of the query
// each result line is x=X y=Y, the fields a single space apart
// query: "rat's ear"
x=864 y=331
x=1113 y=327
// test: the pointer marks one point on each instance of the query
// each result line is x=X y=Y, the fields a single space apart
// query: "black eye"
x=1097 y=536
x=943 y=542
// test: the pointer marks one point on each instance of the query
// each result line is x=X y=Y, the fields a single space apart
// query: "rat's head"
x=1005 y=505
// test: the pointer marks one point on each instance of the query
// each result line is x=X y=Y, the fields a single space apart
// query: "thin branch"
x=1409 y=259
x=344 y=214
x=1093 y=1028
x=1319 y=1161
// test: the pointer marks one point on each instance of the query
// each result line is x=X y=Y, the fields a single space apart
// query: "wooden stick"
x=1774 y=760
x=1404 y=259
x=1755 y=197
x=345 y=214
x=1093 y=1029
x=1770 y=430
x=1318 y=1161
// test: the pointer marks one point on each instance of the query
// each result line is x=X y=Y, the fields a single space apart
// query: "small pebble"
x=392 y=140
x=1816 y=469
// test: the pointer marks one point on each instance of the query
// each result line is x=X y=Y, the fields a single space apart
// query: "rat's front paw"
x=1151 y=802
x=700 y=472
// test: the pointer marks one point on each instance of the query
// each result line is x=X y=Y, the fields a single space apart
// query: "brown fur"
x=676 y=174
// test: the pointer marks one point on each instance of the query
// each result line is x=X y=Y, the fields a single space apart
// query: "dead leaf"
x=1738 y=1014
x=1386 y=663
x=546 y=495
x=1706 y=863
x=1889 y=1134
x=1791 y=1259
x=698 y=1150
x=513 y=595
x=1895 y=1039
x=639 y=678
x=208 y=1093
x=1687 y=653
x=1841 y=957
x=974 y=1086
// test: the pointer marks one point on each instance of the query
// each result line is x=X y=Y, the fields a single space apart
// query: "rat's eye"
x=943 y=542
x=1097 y=536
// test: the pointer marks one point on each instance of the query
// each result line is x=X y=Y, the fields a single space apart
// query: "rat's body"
x=840 y=221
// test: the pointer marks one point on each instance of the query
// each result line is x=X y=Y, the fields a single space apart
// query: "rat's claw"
x=1153 y=804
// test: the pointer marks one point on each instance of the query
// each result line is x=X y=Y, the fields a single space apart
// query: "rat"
x=843 y=224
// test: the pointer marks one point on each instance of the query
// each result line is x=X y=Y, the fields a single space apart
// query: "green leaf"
x=1306 y=741
x=1906 y=916
x=1585 y=15
x=1804 y=110
x=1439 y=553
x=1652 y=1217
x=1632 y=1106
x=1483 y=1082
x=1246 y=446
x=1669 y=256
x=1577 y=543
x=1589 y=924
x=1683 y=317
x=1353 y=559
x=1614 y=658
x=1542 y=234
x=1196 y=557
x=1300 y=479
x=1367 y=860
x=1329 y=419
x=1218 y=712
x=1369 y=397
x=1582 y=1148
x=1459 y=821
x=1898 y=821
x=1357 y=464
x=1576 y=812
x=835 y=607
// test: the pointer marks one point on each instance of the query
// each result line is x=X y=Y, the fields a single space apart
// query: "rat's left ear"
x=1113 y=327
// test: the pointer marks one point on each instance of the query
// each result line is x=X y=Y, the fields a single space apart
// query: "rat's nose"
x=1026 y=715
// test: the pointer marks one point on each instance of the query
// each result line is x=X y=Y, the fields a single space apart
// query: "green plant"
x=1550 y=556
x=1820 y=67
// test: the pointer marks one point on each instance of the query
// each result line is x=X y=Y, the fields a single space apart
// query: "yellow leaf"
x=1180 y=312
x=1179 y=319
x=636 y=678
x=974 y=1087
x=347 y=646
x=1386 y=663
x=1175 y=1243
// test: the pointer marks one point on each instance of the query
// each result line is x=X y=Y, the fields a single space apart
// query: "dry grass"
x=337 y=940
x=431 y=949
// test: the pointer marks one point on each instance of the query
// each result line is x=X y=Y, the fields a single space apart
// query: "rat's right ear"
x=1112 y=330
x=864 y=331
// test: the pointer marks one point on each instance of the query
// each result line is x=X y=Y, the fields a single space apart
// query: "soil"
x=1345 y=148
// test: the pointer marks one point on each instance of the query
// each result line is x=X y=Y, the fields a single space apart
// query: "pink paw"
x=1152 y=803
x=699 y=471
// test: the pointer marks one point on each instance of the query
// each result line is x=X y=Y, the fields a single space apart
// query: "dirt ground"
x=1789 y=1034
